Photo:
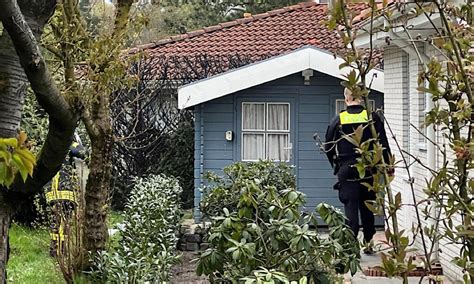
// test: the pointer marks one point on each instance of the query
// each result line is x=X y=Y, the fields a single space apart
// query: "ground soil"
x=185 y=272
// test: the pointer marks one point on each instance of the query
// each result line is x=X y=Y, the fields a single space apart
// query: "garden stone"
x=192 y=246
x=192 y=238
x=185 y=229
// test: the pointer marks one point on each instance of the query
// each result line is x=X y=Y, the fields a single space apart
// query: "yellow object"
x=57 y=237
x=60 y=235
x=350 y=118
x=56 y=194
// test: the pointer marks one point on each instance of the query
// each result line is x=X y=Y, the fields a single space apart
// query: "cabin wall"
x=312 y=107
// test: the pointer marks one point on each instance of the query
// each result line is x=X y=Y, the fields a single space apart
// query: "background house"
x=262 y=86
x=270 y=110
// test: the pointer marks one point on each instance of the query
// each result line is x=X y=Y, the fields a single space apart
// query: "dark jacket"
x=343 y=154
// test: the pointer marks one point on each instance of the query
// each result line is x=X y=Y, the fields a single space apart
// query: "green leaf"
x=20 y=166
x=3 y=172
x=371 y=205
x=361 y=170
x=292 y=196
x=12 y=142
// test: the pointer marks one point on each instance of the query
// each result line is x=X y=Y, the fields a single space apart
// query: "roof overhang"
x=268 y=70
x=417 y=26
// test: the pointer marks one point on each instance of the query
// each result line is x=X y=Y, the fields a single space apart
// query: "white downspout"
x=431 y=160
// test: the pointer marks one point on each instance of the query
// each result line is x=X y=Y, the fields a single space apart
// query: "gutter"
x=201 y=158
x=197 y=212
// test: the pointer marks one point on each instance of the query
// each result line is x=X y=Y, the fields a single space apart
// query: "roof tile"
x=262 y=35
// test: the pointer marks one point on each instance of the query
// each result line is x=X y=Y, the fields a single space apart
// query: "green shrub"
x=225 y=192
x=148 y=235
x=261 y=234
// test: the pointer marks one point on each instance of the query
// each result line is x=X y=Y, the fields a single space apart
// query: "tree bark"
x=62 y=119
x=5 y=219
x=99 y=127
x=13 y=81
x=98 y=186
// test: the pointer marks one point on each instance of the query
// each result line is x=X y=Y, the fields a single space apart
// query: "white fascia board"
x=242 y=78
x=363 y=40
x=326 y=63
x=266 y=71
x=421 y=22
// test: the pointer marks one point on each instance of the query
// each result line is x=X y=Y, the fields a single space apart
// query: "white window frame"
x=344 y=102
x=265 y=132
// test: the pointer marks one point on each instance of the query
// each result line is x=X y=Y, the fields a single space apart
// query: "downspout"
x=201 y=157
x=431 y=161
x=430 y=131
x=201 y=160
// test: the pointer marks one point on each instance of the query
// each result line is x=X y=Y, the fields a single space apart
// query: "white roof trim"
x=419 y=25
x=267 y=70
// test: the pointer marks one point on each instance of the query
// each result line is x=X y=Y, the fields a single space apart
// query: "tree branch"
x=62 y=120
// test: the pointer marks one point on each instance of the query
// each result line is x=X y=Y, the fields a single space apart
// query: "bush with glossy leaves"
x=148 y=236
x=261 y=233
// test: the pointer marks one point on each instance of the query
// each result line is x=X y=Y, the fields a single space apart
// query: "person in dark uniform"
x=343 y=156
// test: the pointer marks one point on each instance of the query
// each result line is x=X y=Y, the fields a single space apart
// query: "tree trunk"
x=13 y=84
x=98 y=187
x=13 y=81
x=5 y=219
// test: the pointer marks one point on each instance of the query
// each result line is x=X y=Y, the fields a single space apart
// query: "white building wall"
x=405 y=105
x=396 y=110
x=447 y=251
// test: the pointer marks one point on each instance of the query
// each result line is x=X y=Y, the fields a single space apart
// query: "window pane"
x=278 y=147
x=253 y=116
x=340 y=106
x=253 y=147
x=278 y=117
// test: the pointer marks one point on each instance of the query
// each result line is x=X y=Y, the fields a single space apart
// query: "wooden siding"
x=313 y=106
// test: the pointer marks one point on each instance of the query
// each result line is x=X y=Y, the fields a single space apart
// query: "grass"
x=29 y=259
x=30 y=262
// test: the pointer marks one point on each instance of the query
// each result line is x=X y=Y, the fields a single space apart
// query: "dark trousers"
x=353 y=195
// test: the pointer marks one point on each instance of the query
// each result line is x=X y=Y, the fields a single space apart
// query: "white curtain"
x=253 y=147
x=253 y=116
x=278 y=117
x=278 y=120
x=278 y=147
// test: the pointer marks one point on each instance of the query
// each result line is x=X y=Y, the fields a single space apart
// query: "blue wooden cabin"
x=270 y=110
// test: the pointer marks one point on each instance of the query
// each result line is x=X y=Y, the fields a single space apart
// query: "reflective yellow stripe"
x=57 y=237
x=55 y=182
x=56 y=194
x=60 y=195
x=350 y=118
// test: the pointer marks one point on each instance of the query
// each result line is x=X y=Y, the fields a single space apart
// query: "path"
x=185 y=273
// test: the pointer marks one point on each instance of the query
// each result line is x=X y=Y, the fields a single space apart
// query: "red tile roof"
x=216 y=49
x=268 y=34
